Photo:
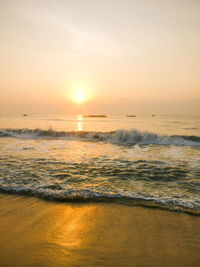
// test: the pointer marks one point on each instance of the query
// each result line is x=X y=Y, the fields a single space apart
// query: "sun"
x=78 y=92
x=79 y=97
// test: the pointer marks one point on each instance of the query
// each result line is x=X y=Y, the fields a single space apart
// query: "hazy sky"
x=127 y=56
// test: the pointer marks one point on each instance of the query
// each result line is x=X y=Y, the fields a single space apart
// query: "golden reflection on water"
x=79 y=124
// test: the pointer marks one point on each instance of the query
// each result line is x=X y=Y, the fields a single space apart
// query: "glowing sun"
x=79 y=97
x=78 y=93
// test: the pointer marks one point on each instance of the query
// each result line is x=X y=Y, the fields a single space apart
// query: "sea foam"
x=121 y=136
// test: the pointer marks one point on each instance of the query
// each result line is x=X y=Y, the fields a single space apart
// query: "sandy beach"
x=43 y=233
x=100 y=133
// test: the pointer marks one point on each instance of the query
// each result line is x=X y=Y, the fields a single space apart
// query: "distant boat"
x=25 y=115
x=95 y=116
x=131 y=116
x=153 y=115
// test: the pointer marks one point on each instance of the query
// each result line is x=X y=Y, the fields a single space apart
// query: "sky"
x=124 y=56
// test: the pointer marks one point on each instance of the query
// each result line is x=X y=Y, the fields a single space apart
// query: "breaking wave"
x=117 y=137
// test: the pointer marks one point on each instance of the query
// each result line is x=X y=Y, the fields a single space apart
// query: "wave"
x=122 y=136
x=88 y=195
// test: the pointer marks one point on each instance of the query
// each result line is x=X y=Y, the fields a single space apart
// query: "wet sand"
x=34 y=232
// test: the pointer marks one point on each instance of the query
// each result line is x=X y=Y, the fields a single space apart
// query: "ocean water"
x=147 y=161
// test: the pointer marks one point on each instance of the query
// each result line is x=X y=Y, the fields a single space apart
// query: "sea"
x=151 y=161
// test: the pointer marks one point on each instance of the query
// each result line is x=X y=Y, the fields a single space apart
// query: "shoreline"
x=35 y=232
x=102 y=200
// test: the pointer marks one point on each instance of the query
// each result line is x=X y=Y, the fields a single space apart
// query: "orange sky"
x=126 y=56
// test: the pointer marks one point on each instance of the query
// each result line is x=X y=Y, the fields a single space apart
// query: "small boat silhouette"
x=95 y=116
x=25 y=115
x=131 y=116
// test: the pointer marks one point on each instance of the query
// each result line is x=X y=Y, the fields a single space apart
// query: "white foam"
x=117 y=137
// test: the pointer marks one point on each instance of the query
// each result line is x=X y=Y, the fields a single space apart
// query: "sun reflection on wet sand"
x=71 y=226
x=39 y=233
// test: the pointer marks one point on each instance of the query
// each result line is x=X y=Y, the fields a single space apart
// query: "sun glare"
x=79 y=97
x=78 y=92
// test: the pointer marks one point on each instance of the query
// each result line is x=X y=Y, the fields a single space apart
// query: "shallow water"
x=149 y=161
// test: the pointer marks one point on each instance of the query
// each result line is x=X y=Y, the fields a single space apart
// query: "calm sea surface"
x=148 y=161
